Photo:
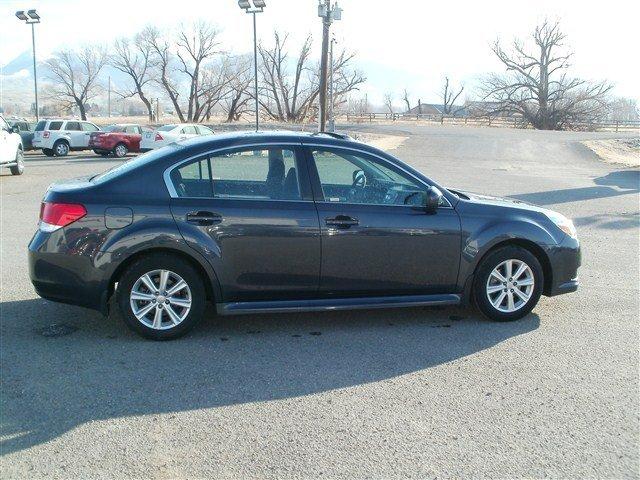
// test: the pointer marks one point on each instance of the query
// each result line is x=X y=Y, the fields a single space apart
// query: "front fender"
x=480 y=237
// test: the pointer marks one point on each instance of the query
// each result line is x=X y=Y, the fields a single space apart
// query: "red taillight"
x=158 y=137
x=58 y=215
x=46 y=134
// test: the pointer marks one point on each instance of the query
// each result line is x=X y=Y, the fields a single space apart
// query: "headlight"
x=563 y=223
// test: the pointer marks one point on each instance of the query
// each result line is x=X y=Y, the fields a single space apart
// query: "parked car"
x=117 y=140
x=25 y=130
x=277 y=222
x=11 y=151
x=58 y=137
x=171 y=133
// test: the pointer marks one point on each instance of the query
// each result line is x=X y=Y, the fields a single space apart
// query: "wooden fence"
x=486 y=121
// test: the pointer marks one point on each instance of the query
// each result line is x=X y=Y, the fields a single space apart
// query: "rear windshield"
x=40 y=125
x=166 y=128
x=114 y=128
x=139 y=161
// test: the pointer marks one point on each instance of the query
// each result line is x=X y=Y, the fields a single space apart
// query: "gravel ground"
x=415 y=393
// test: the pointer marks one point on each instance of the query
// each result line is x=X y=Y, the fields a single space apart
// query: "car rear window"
x=166 y=128
x=55 y=125
x=138 y=161
x=114 y=128
x=40 y=125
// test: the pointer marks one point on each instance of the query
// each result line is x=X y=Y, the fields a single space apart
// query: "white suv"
x=58 y=137
x=11 y=151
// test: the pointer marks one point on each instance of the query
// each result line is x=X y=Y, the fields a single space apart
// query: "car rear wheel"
x=120 y=150
x=508 y=284
x=161 y=297
x=61 y=148
x=48 y=152
x=18 y=169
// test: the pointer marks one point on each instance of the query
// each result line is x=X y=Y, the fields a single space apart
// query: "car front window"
x=348 y=177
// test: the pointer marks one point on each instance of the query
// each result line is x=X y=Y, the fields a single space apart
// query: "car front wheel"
x=508 y=284
x=161 y=297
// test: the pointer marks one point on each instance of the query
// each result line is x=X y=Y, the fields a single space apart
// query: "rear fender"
x=149 y=235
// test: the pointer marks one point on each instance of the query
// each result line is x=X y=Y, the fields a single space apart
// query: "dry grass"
x=620 y=151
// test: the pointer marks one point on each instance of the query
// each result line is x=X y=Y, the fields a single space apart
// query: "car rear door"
x=250 y=212
x=377 y=239
x=88 y=128
x=75 y=134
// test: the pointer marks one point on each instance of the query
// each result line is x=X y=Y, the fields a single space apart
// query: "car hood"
x=498 y=201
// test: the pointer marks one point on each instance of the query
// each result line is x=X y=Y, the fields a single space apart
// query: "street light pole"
x=328 y=15
x=35 y=71
x=31 y=18
x=257 y=7
x=255 y=67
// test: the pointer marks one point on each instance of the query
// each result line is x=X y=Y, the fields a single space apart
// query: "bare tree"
x=160 y=48
x=537 y=84
x=239 y=93
x=449 y=98
x=291 y=96
x=75 y=76
x=191 y=58
x=388 y=102
x=195 y=45
x=405 y=99
x=134 y=59
x=625 y=109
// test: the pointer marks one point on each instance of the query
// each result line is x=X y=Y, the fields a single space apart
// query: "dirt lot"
x=415 y=393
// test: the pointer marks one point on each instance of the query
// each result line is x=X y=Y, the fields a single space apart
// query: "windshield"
x=40 y=125
x=136 y=162
x=114 y=128
x=166 y=128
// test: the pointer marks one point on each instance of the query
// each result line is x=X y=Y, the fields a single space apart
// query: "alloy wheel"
x=510 y=285
x=121 y=151
x=160 y=299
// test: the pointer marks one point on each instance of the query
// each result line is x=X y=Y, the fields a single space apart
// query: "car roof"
x=269 y=136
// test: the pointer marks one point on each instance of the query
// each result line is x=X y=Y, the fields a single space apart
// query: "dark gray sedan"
x=281 y=221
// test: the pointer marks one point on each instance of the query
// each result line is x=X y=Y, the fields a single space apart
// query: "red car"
x=117 y=139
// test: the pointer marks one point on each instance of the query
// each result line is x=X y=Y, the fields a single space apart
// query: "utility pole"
x=332 y=124
x=109 y=99
x=328 y=15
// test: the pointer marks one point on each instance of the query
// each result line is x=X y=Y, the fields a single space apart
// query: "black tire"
x=161 y=261
x=486 y=267
x=120 y=150
x=48 y=152
x=61 y=148
x=19 y=168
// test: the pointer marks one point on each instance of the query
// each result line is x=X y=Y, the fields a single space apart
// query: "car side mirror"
x=432 y=199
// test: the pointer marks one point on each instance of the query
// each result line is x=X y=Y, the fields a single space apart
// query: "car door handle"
x=341 y=221
x=204 y=218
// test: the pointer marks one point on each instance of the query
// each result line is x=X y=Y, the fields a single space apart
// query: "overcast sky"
x=399 y=44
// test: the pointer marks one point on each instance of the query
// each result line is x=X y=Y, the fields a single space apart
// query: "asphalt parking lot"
x=417 y=393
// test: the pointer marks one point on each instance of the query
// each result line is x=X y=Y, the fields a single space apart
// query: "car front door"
x=88 y=129
x=250 y=212
x=6 y=155
x=377 y=238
